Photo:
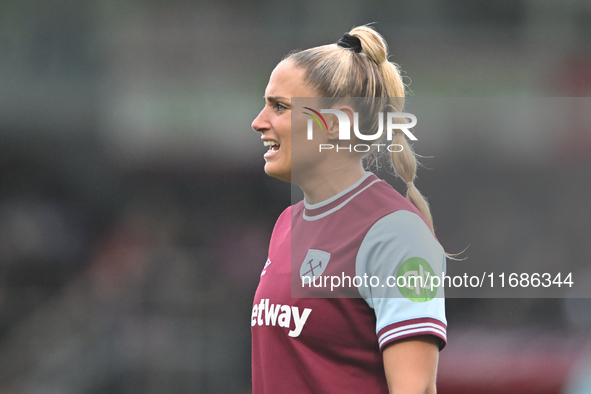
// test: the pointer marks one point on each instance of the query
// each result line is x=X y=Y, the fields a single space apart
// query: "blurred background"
x=135 y=214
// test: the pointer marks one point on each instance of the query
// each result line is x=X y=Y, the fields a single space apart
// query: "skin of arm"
x=411 y=365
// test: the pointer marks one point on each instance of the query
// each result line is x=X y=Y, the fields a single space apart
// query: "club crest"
x=314 y=263
x=265 y=267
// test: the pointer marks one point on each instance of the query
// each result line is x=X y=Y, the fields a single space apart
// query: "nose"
x=260 y=124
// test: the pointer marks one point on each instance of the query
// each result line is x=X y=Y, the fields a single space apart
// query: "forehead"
x=287 y=80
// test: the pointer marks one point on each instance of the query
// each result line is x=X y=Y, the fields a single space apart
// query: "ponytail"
x=403 y=162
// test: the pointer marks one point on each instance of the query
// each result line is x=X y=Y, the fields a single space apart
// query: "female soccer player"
x=350 y=223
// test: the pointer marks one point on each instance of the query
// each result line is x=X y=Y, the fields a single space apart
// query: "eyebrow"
x=276 y=98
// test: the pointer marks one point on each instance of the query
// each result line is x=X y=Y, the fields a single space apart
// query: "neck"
x=326 y=184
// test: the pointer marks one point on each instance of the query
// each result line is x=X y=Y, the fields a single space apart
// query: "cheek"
x=284 y=133
x=286 y=127
x=299 y=133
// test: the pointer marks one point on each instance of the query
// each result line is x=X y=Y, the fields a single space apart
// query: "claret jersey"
x=331 y=342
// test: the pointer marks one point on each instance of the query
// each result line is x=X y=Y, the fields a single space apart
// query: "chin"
x=280 y=174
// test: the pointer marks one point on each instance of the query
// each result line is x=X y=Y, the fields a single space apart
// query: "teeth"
x=270 y=143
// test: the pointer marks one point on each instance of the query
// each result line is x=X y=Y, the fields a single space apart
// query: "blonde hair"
x=336 y=71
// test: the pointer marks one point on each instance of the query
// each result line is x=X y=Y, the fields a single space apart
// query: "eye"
x=280 y=107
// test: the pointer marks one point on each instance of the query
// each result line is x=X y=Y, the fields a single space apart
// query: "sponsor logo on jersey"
x=280 y=315
x=314 y=264
x=418 y=274
x=265 y=267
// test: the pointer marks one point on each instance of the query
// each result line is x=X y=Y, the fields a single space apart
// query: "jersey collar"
x=336 y=202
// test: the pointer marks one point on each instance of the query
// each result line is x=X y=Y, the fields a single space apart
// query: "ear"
x=333 y=123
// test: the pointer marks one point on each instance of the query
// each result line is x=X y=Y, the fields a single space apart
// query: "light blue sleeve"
x=404 y=257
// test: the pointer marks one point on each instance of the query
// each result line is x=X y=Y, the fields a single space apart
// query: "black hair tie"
x=350 y=42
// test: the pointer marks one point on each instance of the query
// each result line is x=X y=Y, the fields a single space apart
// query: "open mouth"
x=273 y=145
